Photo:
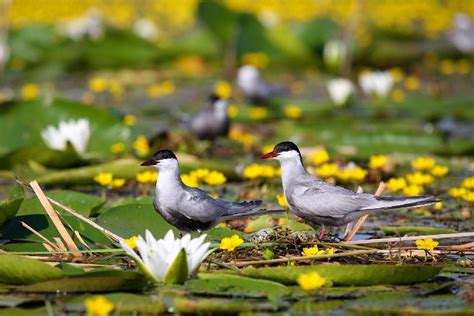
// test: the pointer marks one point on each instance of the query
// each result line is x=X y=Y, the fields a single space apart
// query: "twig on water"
x=411 y=238
x=362 y=219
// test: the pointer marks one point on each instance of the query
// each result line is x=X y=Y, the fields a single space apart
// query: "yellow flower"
x=423 y=163
x=447 y=67
x=398 y=95
x=167 y=87
x=377 y=161
x=232 y=111
x=98 y=306
x=468 y=196
x=239 y=136
x=412 y=83
x=396 y=184
x=355 y=174
x=118 y=183
x=397 y=74
x=312 y=251
x=426 y=244
x=412 y=189
x=30 y=91
x=293 y=112
x=157 y=90
x=310 y=281
x=200 y=173
x=117 y=148
x=146 y=177
x=230 y=243
x=282 y=200
x=189 y=180
x=104 y=178
x=327 y=170
x=330 y=251
x=259 y=60
x=457 y=192
x=132 y=242
x=129 y=120
x=141 y=146
x=223 y=89
x=98 y=84
x=418 y=178
x=253 y=171
x=438 y=206
x=319 y=157
x=215 y=178
x=258 y=113
x=468 y=183
x=439 y=171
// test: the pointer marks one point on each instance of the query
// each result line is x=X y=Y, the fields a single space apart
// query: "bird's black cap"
x=285 y=146
x=159 y=155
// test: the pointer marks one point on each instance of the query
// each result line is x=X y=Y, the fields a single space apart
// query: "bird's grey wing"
x=317 y=198
x=197 y=205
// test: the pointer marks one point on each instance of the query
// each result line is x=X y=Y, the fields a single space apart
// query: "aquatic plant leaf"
x=10 y=207
x=178 y=271
x=21 y=270
x=423 y=230
x=356 y=275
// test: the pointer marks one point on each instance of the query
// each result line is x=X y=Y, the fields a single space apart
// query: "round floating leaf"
x=133 y=219
x=21 y=270
x=178 y=271
x=356 y=275
x=10 y=207
x=232 y=285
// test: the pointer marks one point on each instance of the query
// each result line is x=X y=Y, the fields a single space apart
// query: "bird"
x=188 y=208
x=254 y=88
x=320 y=203
x=210 y=122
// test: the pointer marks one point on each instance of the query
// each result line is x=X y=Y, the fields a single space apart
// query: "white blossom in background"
x=146 y=29
x=75 y=132
x=462 y=35
x=334 y=54
x=378 y=83
x=155 y=257
x=340 y=90
x=90 y=25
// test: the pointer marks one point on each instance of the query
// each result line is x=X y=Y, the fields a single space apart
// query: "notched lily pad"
x=21 y=270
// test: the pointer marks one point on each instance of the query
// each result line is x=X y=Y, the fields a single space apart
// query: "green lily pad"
x=356 y=275
x=232 y=285
x=22 y=270
x=10 y=207
x=84 y=204
x=133 y=219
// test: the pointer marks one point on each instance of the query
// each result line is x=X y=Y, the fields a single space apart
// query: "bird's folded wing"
x=321 y=202
x=199 y=206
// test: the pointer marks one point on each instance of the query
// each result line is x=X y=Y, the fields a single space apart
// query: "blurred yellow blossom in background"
x=98 y=306
x=117 y=148
x=423 y=163
x=319 y=157
x=141 y=146
x=258 y=113
x=377 y=161
x=223 y=89
x=396 y=184
x=189 y=180
x=310 y=281
x=259 y=60
x=129 y=120
x=293 y=112
x=215 y=178
x=104 y=178
x=30 y=91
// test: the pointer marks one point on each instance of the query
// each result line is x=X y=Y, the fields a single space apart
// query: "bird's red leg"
x=322 y=232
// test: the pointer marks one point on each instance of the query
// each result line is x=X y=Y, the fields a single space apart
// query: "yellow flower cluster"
x=293 y=112
x=465 y=191
x=232 y=110
x=257 y=113
x=129 y=120
x=315 y=251
x=255 y=171
x=242 y=137
x=145 y=177
x=331 y=170
x=319 y=157
x=212 y=178
x=423 y=163
x=158 y=90
x=230 y=243
x=106 y=179
x=310 y=281
x=377 y=161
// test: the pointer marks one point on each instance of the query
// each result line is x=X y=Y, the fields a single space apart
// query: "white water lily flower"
x=146 y=29
x=155 y=257
x=378 y=83
x=340 y=90
x=89 y=25
x=334 y=54
x=75 y=132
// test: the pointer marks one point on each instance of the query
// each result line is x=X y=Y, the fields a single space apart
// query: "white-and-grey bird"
x=323 y=204
x=190 y=208
x=210 y=122
x=254 y=88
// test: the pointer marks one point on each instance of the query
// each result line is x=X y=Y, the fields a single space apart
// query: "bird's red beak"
x=150 y=162
x=269 y=155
